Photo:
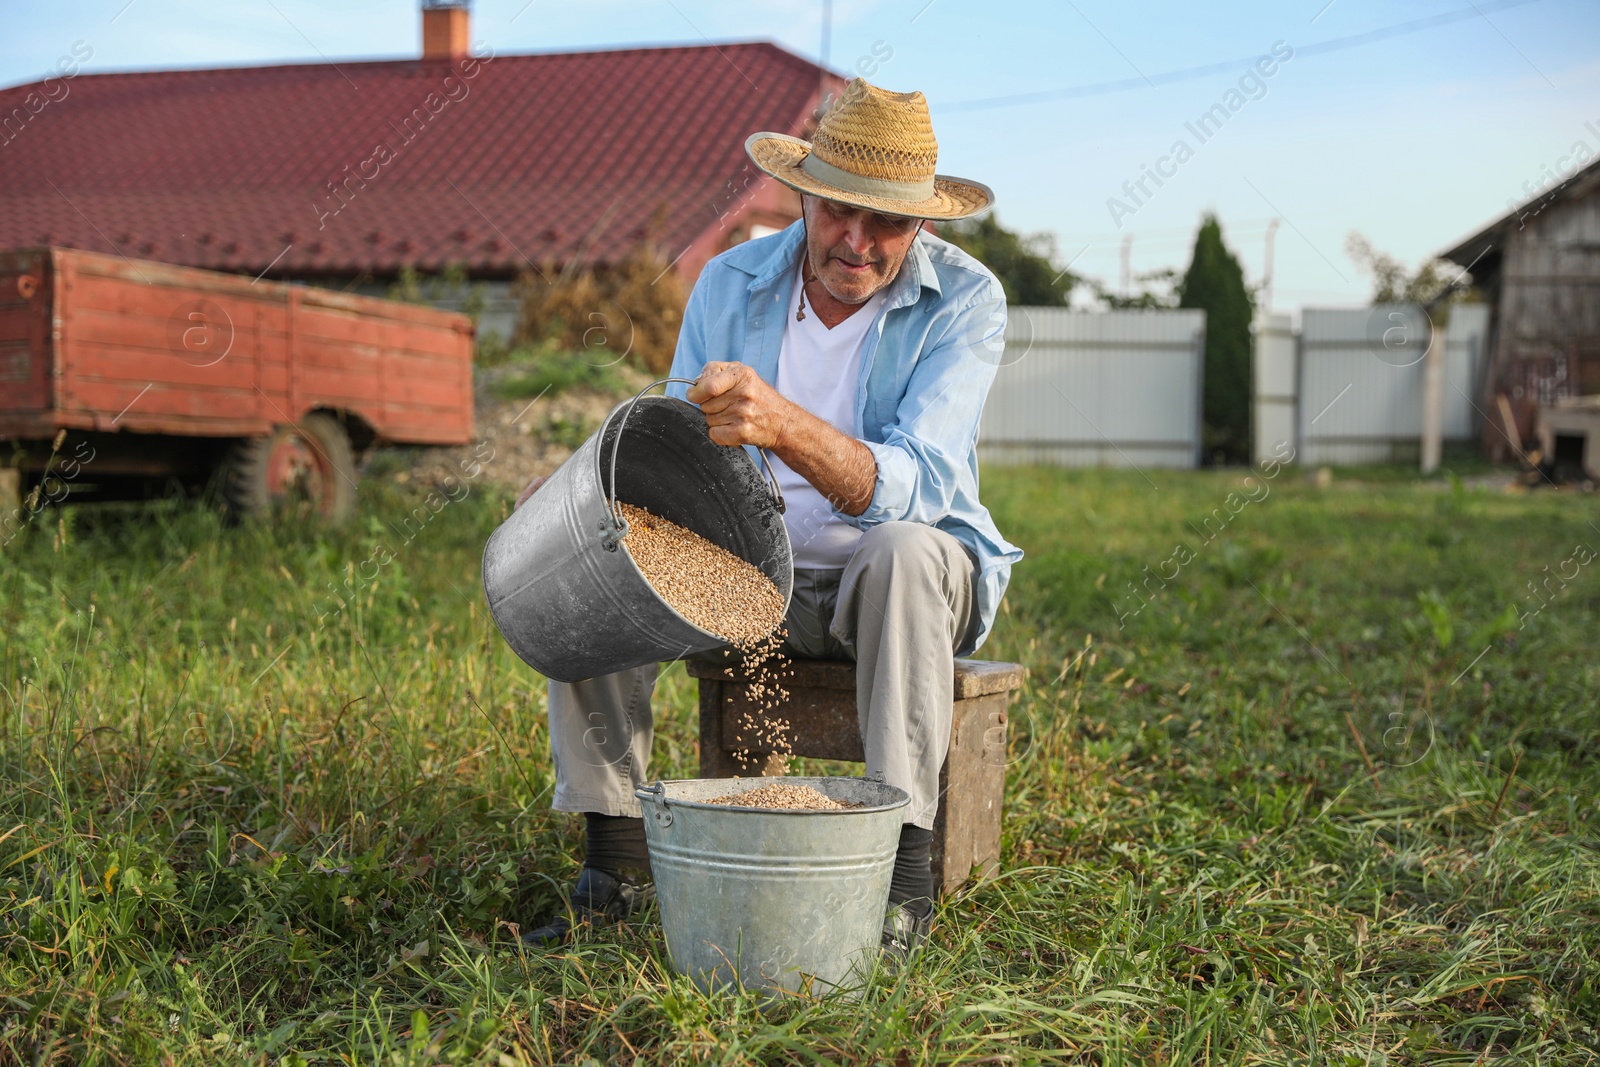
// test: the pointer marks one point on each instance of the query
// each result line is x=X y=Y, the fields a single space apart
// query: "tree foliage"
x=1025 y=264
x=1158 y=289
x=1214 y=282
x=1392 y=283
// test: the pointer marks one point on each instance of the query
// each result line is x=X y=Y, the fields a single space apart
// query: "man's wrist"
x=783 y=438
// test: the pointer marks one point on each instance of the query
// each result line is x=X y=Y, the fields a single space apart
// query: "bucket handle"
x=658 y=794
x=612 y=535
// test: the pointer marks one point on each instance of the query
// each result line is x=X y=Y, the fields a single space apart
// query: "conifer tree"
x=1215 y=283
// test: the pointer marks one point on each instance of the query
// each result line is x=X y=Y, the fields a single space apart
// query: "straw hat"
x=873 y=149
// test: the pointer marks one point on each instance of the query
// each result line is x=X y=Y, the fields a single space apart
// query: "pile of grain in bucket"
x=705 y=583
x=725 y=595
x=784 y=795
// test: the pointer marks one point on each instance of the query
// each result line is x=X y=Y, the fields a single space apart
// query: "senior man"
x=857 y=348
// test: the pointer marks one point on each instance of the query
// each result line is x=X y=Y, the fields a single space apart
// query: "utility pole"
x=827 y=29
x=1127 y=264
x=823 y=96
x=1266 y=272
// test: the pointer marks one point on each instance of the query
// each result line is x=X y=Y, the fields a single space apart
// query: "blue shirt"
x=926 y=367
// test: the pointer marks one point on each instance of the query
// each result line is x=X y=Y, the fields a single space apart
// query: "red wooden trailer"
x=160 y=373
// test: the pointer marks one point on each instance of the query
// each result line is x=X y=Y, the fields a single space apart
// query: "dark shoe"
x=598 y=898
x=905 y=931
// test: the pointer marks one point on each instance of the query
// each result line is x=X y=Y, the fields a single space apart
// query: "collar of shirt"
x=773 y=273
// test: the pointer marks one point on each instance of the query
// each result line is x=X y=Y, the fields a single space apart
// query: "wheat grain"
x=703 y=582
x=725 y=595
x=784 y=795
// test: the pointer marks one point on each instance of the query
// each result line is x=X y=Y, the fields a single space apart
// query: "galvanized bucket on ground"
x=568 y=598
x=785 y=900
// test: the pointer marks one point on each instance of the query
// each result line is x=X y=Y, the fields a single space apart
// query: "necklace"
x=800 y=312
x=805 y=265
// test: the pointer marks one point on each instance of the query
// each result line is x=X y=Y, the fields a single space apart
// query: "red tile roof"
x=519 y=158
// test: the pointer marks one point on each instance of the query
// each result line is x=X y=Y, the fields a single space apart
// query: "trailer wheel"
x=308 y=469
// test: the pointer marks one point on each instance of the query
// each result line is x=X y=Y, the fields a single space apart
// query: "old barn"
x=1539 y=267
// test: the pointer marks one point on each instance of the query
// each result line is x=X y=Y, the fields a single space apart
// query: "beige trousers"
x=902 y=608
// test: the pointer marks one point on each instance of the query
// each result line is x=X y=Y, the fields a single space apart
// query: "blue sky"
x=1415 y=140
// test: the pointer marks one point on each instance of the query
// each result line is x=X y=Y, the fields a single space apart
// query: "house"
x=1539 y=267
x=342 y=173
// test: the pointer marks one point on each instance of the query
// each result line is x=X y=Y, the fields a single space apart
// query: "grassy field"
x=1325 y=792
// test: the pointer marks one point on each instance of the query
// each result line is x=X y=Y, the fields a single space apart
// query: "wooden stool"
x=821 y=711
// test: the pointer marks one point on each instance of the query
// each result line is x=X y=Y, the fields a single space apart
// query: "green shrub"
x=552 y=371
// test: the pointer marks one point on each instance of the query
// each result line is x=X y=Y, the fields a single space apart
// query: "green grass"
x=265 y=797
x=537 y=371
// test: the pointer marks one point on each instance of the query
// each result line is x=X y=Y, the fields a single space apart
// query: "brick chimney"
x=445 y=28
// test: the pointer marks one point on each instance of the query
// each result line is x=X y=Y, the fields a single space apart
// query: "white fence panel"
x=1277 y=385
x=1361 y=381
x=1097 y=389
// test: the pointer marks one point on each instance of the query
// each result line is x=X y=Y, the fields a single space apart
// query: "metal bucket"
x=783 y=900
x=565 y=595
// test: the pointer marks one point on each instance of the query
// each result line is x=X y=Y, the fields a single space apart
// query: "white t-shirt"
x=820 y=369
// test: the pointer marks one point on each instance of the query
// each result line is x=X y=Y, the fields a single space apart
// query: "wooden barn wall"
x=1549 y=330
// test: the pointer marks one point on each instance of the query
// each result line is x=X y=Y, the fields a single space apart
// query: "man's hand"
x=533 y=487
x=740 y=408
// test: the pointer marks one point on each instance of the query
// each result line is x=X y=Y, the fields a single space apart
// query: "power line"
x=1174 y=233
x=1338 y=44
